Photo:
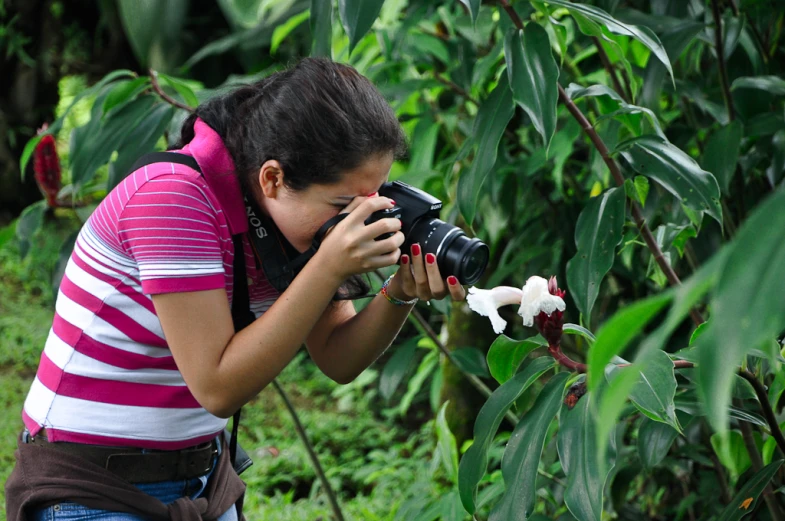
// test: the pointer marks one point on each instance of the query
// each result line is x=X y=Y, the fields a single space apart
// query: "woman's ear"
x=271 y=178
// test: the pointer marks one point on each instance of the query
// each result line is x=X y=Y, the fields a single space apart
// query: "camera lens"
x=456 y=254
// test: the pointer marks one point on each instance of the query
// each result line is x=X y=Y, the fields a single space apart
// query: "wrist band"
x=393 y=300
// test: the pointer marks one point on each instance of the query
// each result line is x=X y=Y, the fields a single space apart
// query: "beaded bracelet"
x=393 y=300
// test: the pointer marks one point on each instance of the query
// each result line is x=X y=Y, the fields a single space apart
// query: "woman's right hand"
x=350 y=248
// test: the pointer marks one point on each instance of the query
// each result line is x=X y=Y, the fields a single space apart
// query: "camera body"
x=419 y=211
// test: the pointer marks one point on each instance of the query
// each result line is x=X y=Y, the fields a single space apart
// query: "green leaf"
x=447 y=448
x=637 y=190
x=505 y=355
x=472 y=361
x=492 y=118
x=28 y=224
x=533 y=76
x=655 y=390
x=285 y=29
x=722 y=153
x=641 y=33
x=63 y=256
x=746 y=499
x=182 y=88
x=321 y=27
x=675 y=37
x=154 y=30
x=693 y=407
x=141 y=140
x=747 y=308
x=357 y=17
x=92 y=145
x=7 y=233
x=474 y=8
x=575 y=92
x=396 y=367
x=475 y=461
x=771 y=84
x=523 y=451
x=124 y=91
x=428 y=364
x=676 y=172
x=654 y=441
x=597 y=233
x=736 y=459
x=618 y=331
x=586 y=474
x=575 y=329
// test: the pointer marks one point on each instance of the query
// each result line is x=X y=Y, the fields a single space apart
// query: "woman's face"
x=299 y=215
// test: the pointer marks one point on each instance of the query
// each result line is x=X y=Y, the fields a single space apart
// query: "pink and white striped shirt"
x=106 y=375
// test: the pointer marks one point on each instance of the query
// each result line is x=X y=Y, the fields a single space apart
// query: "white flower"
x=486 y=302
x=537 y=298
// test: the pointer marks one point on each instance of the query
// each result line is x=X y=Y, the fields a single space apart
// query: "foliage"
x=625 y=146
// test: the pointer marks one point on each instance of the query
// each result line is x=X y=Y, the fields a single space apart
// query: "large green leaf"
x=771 y=84
x=641 y=33
x=746 y=499
x=575 y=92
x=139 y=141
x=736 y=458
x=475 y=461
x=494 y=115
x=505 y=355
x=722 y=153
x=321 y=27
x=618 y=331
x=522 y=454
x=675 y=38
x=446 y=444
x=93 y=144
x=586 y=474
x=28 y=224
x=656 y=387
x=534 y=76
x=358 y=16
x=654 y=441
x=598 y=232
x=747 y=308
x=474 y=8
x=676 y=172
x=153 y=29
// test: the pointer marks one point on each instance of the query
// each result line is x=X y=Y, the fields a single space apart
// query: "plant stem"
x=606 y=62
x=167 y=98
x=768 y=412
x=715 y=8
x=455 y=88
x=311 y=453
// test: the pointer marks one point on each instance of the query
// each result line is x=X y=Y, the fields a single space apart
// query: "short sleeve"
x=169 y=226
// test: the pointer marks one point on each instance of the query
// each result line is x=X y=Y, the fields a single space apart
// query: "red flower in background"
x=46 y=166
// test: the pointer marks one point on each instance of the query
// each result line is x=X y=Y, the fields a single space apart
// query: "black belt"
x=136 y=466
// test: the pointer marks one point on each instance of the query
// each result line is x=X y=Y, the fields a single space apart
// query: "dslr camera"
x=456 y=254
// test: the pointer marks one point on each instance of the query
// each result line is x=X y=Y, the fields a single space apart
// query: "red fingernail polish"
x=404 y=259
x=393 y=202
x=373 y=194
x=452 y=280
x=415 y=249
x=430 y=258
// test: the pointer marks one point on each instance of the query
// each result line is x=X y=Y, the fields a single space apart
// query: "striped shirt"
x=106 y=375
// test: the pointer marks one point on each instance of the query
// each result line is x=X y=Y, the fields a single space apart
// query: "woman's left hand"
x=419 y=276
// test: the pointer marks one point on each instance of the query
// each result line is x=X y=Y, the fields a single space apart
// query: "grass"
x=371 y=461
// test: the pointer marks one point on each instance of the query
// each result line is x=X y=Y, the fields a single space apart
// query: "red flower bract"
x=46 y=166
x=551 y=326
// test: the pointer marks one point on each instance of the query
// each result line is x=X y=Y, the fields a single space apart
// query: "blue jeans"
x=166 y=491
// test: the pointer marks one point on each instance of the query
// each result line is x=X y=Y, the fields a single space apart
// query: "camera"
x=456 y=254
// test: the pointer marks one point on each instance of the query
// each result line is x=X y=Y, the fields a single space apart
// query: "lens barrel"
x=456 y=254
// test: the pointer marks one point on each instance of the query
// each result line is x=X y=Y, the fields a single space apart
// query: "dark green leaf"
x=321 y=27
x=618 y=331
x=522 y=454
x=736 y=459
x=358 y=16
x=586 y=474
x=641 y=33
x=28 y=224
x=506 y=354
x=747 y=308
x=124 y=91
x=693 y=407
x=676 y=172
x=285 y=29
x=139 y=141
x=771 y=84
x=746 y=499
x=492 y=119
x=533 y=76
x=153 y=29
x=474 y=8
x=472 y=361
x=396 y=367
x=575 y=329
x=475 y=461
x=654 y=441
x=722 y=153
x=182 y=88
x=675 y=38
x=656 y=387
x=598 y=232
x=446 y=444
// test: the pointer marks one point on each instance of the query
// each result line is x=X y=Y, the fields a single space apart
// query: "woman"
x=143 y=362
